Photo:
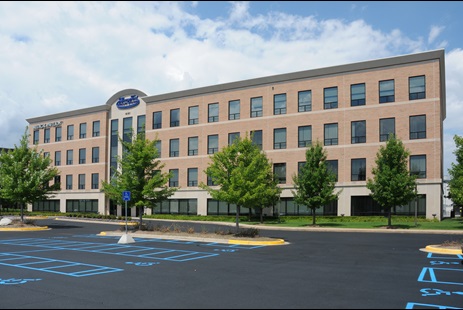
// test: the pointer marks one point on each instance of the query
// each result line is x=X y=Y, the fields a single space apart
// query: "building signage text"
x=127 y=103
x=52 y=124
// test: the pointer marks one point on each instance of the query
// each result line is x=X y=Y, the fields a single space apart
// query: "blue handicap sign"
x=126 y=195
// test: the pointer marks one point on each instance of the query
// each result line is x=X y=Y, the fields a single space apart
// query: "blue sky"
x=62 y=56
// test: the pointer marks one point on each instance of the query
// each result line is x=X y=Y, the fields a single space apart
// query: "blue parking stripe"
x=58 y=266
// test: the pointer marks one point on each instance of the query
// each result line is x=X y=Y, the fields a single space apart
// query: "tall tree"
x=25 y=175
x=456 y=173
x=392 y=184
x=140 y=172
x=244 y=175
x=315 y=183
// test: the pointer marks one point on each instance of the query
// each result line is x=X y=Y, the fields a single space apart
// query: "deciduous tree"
x=244 y=176
x=456 y=173
x=139 y=172
x=315 y=183
x=26 y=174
x=392 y=184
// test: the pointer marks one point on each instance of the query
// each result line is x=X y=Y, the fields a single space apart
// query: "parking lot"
x=72 y=266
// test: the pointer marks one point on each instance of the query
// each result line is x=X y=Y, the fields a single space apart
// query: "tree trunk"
x=313 y=217
x=389 y=220
x=261 y=216
x=249 y=215
x=141 y=218
x=237 y=219
x=22 y=213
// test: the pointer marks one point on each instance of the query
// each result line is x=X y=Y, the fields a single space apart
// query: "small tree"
x=456 y=173
x=392 y=184
x=315 y=183
x=25 y=175
x=244 y=176
x=140 y=173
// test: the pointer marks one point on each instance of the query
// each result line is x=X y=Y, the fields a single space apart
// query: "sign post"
x=126 y=238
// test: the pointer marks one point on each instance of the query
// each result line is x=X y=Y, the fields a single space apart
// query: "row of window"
x=82 y=156
x=417 y=90
x=69 y=132
x=95 y=181
x=358 y=171
x=358 y=135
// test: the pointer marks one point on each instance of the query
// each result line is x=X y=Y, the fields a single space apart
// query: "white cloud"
x=434 y=33
x=61 y=56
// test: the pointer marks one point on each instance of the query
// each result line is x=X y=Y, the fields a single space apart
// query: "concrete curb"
x=441 y=250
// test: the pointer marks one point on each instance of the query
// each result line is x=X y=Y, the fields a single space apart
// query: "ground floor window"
x=287 y=206
x=366 y=206
x=177 y=206
x=82 y=205
x=216 y=207
x=46 y=205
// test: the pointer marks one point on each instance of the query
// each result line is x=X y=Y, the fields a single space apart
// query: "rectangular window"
x=193 y=115
x=386 y=91
x=210 y=182
x=95 y=154
x=234 y=109
x=81 y=181
x=279 y=138
x=70 y=132
x=232 y=136
x=95 y=181
x=173 y=180
x=157 y=120
x=69 y=157
x=192 y=176
x=46 y=154
x=82 y=156
x=192 y=146
x=36 y=137
x=332 y=166
x=418 y=127
x=257 y=109
x=213 y=113
x=280 y=172
x=418 y=166
x=256 y=137
x=417 y=87
x=141 y=123
x=83 y=130
x=357 y=94
x=358 y=169
x=174 y=150
x=96 y=129
x=58 y=158
x=58 y=134
x=174 y=117
x=304 y=101
x=330 y=98
x=359 y=132
x=212 y=144
x=46 y=135
x=279 y=104
x=386 y=127
x=331 y=134
x=69 y=181
x=127 y=129
x=304 y=136
x=159 y=147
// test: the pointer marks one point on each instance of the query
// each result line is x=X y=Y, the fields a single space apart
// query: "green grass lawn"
x=400 y=222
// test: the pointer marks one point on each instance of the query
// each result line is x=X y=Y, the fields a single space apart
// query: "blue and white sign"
x=126 y=195
x=127 y=103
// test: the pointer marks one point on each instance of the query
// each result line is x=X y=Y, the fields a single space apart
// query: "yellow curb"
x=24 y=228
x=248 y=242
x=130 y=223
x=103 y=233
x=440 y=250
